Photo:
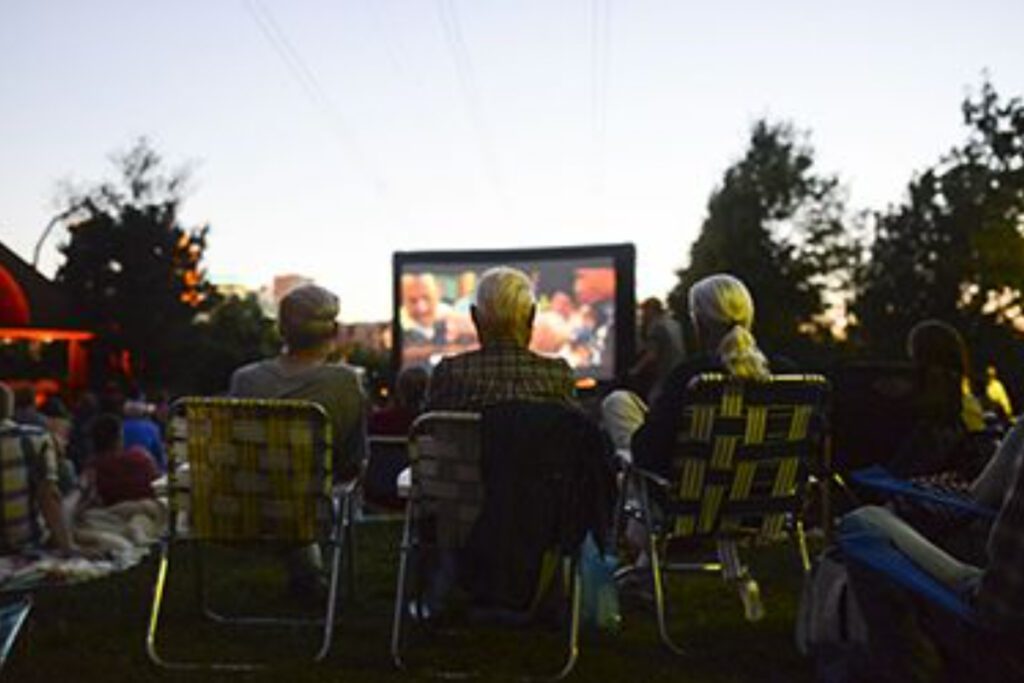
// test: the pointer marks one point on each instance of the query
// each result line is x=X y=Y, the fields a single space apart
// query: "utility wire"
x=310 y=85
x=448 y=16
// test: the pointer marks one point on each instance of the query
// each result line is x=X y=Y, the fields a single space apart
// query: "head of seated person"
x=939 y=350
x=722 y=312
x=504 y=308
x=119 y=474
x=307 y=320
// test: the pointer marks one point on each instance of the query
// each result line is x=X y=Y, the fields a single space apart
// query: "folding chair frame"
x=340 y=504
x=639 y=480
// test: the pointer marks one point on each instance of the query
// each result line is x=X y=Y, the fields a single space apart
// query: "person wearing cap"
x=303 y=371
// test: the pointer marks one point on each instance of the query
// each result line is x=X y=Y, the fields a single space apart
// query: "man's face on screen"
x=419 y=298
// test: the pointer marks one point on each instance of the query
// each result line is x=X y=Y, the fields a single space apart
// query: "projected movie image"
x=575 y=317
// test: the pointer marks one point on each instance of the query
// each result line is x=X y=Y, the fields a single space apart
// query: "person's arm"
x=653 y=441
x=48 y=497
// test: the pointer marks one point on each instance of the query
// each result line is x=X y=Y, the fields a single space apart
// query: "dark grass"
x=96 y=631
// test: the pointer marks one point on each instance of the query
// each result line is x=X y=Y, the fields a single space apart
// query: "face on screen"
x=575 y=317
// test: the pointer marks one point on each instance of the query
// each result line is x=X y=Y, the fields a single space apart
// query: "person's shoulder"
x=251 y=370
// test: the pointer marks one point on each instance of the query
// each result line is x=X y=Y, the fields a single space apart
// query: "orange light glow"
x=44 y=335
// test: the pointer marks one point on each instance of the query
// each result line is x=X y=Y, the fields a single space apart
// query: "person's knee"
x=865 y=519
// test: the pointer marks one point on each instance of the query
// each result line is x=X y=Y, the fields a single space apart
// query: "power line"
x=448 y=16
x=310 y=85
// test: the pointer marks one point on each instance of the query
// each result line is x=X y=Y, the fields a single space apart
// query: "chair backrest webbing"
x=259 y=468
x=742 y=453
x=444 y=453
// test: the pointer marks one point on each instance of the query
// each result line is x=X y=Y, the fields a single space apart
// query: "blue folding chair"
x=12 y=618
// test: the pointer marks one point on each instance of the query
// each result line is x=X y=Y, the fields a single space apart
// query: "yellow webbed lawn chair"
x=738 y=472
x=259 y=474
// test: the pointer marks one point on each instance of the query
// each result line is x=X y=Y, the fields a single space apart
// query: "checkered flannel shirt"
x=498 y=372
x=1001 y=594
x=27 y=458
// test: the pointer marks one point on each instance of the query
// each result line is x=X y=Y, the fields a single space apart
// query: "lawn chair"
x=739 y=471
x=446 y=500
x=975 y=646
x=12 y=618
x=259 y=475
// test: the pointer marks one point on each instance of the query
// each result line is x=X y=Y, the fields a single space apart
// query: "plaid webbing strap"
x=17 y=524
x=741 y=454
x=259 y=468
x=446 y=477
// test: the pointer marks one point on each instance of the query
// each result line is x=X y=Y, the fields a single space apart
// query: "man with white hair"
x=503 y=368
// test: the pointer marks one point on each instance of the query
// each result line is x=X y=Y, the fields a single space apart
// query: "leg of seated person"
x=994 y=481
x=623 y=413
x=896 y=622
x=935 y=561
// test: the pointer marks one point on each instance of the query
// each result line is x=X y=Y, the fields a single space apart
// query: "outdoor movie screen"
x=575 y=317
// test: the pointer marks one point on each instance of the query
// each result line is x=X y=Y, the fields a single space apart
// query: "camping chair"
x=739 y=471
x=259 y=475
x=882 y=558
x=12 y=618
x=445 y=501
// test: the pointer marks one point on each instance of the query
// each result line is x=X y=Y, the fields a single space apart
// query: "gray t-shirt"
x=336 y=387
x=665 y=339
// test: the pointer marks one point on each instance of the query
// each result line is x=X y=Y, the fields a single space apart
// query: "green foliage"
x=234 y=333
x=781 y=228
x=131 y=268
x=954 y=249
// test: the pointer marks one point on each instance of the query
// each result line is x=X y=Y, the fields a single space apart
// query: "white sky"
x=452 y=124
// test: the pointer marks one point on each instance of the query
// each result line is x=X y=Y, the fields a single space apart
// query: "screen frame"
x=623 y=257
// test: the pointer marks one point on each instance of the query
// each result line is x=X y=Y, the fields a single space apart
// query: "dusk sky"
x=325 y=135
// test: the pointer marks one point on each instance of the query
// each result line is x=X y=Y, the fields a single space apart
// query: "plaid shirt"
x=27 y=458
x=498 y=372
x=1000 y=597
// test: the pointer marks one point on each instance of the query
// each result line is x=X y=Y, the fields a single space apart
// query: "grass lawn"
x=96 y=631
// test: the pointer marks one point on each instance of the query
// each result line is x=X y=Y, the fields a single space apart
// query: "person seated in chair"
x=949 y=431
x=503 y=368
x=28 y=489
x=303 y=371
x=722 y=312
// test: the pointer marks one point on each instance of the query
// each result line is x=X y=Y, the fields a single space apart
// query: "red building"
x=35 y=314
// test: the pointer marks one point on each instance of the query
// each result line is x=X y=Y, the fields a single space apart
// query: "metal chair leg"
x=400 y=589
x=572 y=568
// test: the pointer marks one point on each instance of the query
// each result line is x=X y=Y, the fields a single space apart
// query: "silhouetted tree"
x=233 y=333
x=132 y=269
x=954 y=249
x=781 y=228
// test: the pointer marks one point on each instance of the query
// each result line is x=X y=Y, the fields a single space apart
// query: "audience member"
x=115 y=474
x=28 y=487
x=662 y=338
x=503 y=368
x=722 y=311
x=949 y=414
x=307 y=321
x=25 y=412
x=141 y=431
x=80 y=439
x=407 y=402
x=996 y=397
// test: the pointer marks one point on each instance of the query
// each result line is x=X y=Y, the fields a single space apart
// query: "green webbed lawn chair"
x=259 y=475
x=739 y=471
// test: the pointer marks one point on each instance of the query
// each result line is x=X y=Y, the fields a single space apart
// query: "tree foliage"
x=235 y=332
x=132 y=269
x=954 y=248
x=781 y=228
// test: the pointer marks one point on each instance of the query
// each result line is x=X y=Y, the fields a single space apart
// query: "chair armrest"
x=879 y=479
